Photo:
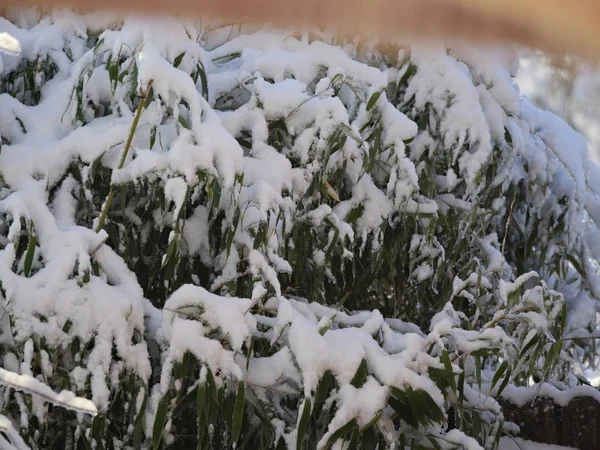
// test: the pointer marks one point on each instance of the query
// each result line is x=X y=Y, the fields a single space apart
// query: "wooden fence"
x=542 y=420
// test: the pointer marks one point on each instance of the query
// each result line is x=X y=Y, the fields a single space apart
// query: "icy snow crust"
x=211 y=90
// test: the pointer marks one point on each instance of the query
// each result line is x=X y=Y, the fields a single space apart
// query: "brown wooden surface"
x=576 y=425
x=558 y=25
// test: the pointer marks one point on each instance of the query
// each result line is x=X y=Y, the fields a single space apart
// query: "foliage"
x=226 y=238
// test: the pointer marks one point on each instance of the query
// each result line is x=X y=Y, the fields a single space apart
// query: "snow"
x=16 y=440
x=66 y=399
x=520 y=396
x=361 y=404
x=9 y=44
x=230 y=315
x=285 y=140
x=464 y=122
x=273 y=372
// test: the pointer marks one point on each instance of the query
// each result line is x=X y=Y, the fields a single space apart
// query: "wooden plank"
x=542 y=420
x=581 y=423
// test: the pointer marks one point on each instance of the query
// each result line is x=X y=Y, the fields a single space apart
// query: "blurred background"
x=568 y=86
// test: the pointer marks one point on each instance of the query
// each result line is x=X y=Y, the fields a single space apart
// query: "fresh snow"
x=231 y=198
x=66 y=399
x=520 y=396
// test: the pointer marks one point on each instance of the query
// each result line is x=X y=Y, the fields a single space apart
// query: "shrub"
x=229 y=237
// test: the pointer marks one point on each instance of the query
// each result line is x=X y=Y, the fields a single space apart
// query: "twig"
x=134 y=126
x=510 y=212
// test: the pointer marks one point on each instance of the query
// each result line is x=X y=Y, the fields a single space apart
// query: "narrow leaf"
x=159 y=422
x=238 y=412
x=303 y=423
x=373 y=100
x=178 y=60
x=30 y=252
x=499 y=373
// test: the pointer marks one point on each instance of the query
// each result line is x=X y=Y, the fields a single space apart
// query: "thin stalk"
x=134 y=125
x=510 y=213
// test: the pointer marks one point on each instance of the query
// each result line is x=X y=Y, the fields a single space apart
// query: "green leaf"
x=434 y=442
x=97 y=430
x=123 y=198
x=216 y=194
x=372 y=422
x=200 y=399
x=303 y=423
x=532 y=341
x=212 y=385
x=159 y=422
x=445 y=358
x=138 y=423
x=98 y=44
x=499 y=372
x=335 y=79
x=354 y=214
x=576 y=265
x=507 y=137
x=563 y=319
x=369 y=439
x=498 y=434
x=149 y=98
x=113 y=73
x=360 y=377
x=422 y=402
x=203 y=406
x=30 y=252
x=478 y=371
x=322 y=390
x=373 y=100
x=203 y=81
x=178 y=60
x=505 y=382
x=353 y=444
x=340 y=433
x=477 y=425
x=336 y=235
x=152 y=136
x=325 y=328
x=172 y=252
x=399 y=403
x=238 y=412
x=410 y=71
x=184 y=123
x=122 y=75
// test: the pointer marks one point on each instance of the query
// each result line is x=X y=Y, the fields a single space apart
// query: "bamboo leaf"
x=499 y=372
x=360 y=377
x=238 y=412
x=30 y=252
x=373 y=100
x=478 y=370
x=178 y=60
x=160 y=421
x=340 y=433
x=445 y=358
x=303 y=423
x=505 y=382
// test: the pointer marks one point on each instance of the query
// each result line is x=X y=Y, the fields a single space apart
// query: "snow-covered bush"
x=228 y=236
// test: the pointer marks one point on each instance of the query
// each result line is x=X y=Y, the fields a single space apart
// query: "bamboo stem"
x=134 y=125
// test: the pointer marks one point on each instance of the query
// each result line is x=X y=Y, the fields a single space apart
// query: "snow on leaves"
x=263 y=200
